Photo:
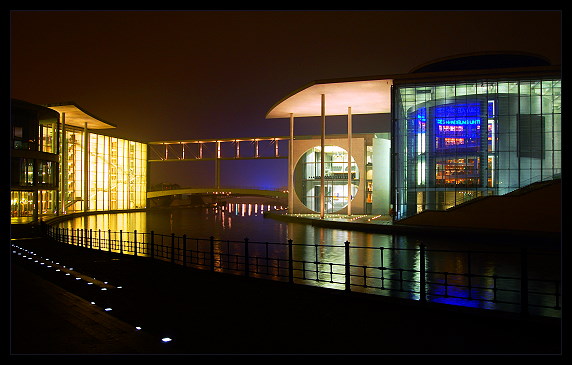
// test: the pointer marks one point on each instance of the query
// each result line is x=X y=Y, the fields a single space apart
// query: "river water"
x=489 y=259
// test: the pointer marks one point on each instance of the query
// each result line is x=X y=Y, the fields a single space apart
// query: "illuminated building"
x=86 y=171
x=460 y=128
x=33 y=161
x=307 y=174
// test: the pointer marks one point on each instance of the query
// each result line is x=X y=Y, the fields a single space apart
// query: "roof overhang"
x=77 y=117
x=363 y=96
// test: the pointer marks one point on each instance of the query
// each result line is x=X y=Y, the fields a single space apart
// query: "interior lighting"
x=138 y=328
x=108 y=309
x=166 y=339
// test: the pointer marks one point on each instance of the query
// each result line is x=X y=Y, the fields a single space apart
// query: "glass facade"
x=33 y=162
x=116 y=176
x=457 y=141
x=307 y=181
x=58 y=170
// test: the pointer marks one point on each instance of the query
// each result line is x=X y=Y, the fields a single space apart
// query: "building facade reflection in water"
x=382 y=264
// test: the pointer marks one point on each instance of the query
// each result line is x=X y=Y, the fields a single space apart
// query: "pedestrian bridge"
x=215 y=191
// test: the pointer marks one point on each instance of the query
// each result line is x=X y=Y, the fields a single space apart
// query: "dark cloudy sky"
x=163 y=75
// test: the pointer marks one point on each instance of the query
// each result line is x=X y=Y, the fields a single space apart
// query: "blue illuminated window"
x=457 y=126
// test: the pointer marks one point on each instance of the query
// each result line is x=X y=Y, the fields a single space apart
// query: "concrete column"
x=86 y=167
x=291 y=166
x=63 y=152
x=217 y=165
x=322 y=162
x=349 y=160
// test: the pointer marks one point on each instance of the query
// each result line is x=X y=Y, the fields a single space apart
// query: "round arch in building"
x=307 y=178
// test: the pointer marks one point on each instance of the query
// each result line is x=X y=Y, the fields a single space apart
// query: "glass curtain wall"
x=71 y=168
x=307 y=180
x=116 y=176
x=461 y=140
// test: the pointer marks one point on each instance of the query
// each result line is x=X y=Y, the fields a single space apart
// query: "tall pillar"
x=217 y=165
x=86 y=167
x=291 y=166
x=322 y=160
x=63 y=153
x=349 y=160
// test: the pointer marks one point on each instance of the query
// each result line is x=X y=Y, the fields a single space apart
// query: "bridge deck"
x=237 y=191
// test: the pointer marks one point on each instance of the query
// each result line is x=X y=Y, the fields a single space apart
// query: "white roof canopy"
x=364 y=97
x=78 y=117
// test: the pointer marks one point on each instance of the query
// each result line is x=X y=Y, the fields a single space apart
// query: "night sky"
x=164 y=75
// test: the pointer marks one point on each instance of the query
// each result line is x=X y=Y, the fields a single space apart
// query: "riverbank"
x=384 y=225
x=215 y=313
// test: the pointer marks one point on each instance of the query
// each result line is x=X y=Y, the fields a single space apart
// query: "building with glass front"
x=461 y=128
x=70 y=165
x=34 y=161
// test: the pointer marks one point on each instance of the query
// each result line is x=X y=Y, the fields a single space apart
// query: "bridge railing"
x=339 y=267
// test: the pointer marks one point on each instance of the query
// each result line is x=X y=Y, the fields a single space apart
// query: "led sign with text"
x=457 y=126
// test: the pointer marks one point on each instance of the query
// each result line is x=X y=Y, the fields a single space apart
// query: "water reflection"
x=457 y=271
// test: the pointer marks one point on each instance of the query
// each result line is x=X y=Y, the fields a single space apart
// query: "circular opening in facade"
x=307 y=178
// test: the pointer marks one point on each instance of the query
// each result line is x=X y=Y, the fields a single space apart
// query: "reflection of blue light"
x=461 y=295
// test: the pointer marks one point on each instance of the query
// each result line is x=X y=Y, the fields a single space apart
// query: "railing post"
x=290 y=263
x=246 y=267
x=99 y=239
x=172 y=248
x=109 y=240
x=524 y=281
x=90 y=238
x=184 y=250
x=422 y=289
x=347 y=264
x=152 y=248
x=135 y=243
x=121 y=242
x=211 y=252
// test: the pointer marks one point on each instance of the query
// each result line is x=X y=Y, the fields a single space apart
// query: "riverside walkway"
x=213 y=313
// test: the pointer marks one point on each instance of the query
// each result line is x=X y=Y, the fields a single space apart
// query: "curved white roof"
x=77 y=117
x=363 y=96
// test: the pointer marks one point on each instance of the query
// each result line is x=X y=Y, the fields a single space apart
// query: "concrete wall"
x=358 y=153
x=536 y=209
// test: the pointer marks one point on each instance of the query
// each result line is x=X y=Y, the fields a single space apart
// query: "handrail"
x=302 y=263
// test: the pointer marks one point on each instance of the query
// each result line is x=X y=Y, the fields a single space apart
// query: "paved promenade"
x=213 y=313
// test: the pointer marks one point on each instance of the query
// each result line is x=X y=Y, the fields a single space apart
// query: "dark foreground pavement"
x=214 y=313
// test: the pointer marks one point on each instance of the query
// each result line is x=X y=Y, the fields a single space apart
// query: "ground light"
x=89 y=280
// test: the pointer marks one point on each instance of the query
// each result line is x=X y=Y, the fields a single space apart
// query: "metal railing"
x=337 y=266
